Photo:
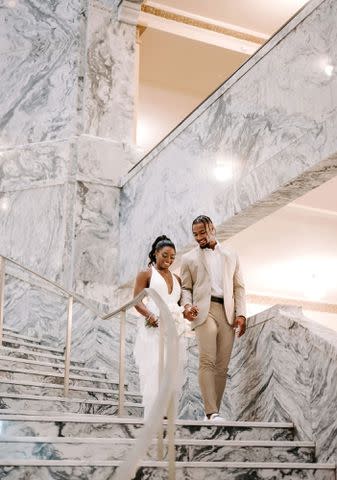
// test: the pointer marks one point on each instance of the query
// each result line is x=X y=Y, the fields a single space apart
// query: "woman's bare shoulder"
x=144 y=274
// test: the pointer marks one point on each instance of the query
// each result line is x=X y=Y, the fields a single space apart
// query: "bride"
x=168 y=285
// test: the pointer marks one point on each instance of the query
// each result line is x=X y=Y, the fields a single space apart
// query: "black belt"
x=217 y=299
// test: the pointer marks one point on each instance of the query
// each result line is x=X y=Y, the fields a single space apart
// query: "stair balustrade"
x=168 y=341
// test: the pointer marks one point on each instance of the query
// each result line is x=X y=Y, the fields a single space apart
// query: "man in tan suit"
x=213 y=292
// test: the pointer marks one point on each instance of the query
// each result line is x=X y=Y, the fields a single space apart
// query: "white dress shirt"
x=214 y=262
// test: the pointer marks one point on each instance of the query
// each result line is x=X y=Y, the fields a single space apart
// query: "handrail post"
x=68 y=345
x=160 y=438
x=2 y=296
x=121 y=396
x=171 y=454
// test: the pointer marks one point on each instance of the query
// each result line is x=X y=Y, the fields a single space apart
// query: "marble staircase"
x=46 y=436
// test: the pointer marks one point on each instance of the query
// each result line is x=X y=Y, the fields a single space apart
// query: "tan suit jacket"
x=196 y=285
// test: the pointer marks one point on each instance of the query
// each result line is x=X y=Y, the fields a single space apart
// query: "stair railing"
x=164 y=404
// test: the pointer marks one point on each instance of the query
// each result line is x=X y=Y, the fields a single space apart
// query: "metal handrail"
x=68 y=293
x=164 y=403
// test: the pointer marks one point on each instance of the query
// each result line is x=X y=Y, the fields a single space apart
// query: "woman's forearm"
x=141 y=308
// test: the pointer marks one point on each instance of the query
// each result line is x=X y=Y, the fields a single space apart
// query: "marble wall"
x=270 y=123
x=66 y=137
x=67 y=127
x=283 y=369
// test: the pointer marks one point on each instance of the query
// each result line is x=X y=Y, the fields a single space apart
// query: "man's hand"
x=190 y=312
x=240 y=325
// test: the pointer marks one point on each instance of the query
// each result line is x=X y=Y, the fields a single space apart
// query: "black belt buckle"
x=217 y=300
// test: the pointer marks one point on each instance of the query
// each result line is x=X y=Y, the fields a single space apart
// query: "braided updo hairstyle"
x=159 y=243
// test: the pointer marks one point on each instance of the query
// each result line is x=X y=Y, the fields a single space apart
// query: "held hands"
x=239 y=326
x=191 y=312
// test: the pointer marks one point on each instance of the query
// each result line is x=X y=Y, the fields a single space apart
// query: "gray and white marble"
x=283 y=369
x=39 y=48
x=110 y=88
x=160 y=473
x=116 y=449
x=44 y=159
x=96 y=241
x=43 y=406
x=108 y=427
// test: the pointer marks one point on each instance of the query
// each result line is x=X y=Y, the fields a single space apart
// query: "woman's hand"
x=152 y=321
x=191 y=312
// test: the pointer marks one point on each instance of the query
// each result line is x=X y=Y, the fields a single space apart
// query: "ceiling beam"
x=202 y=29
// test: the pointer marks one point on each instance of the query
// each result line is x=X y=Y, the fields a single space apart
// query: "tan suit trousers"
x=215 y=340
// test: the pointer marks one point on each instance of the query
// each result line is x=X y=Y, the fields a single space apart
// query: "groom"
x=213 y=293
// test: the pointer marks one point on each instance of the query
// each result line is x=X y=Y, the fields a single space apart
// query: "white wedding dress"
x=146 y=350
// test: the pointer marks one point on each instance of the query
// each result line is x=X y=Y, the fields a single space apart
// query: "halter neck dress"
x=146 y=350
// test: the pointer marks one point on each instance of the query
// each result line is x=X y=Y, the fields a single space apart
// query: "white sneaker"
x=215 y=417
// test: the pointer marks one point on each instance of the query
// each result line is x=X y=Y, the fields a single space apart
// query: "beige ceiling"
x=323 y=197
x=177 y=63
x=263 y=16
x=177 y=73
x=293 y=252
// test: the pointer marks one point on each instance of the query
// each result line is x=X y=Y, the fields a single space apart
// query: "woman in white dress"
x=159 y=277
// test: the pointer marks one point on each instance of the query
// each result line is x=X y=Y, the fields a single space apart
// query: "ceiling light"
x=329 y=70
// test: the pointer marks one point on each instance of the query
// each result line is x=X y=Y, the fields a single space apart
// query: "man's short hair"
x=202 y=219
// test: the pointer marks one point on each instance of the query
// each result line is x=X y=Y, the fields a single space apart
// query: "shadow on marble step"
x=158 y=471
x=107 y=427
x=43 y=376
x=23 y=387
x=49 y=448
x=10 y=361
x=34 y=347
x=21 y=352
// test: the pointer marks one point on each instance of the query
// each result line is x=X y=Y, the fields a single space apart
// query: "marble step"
x=9 y=329
x=13 y=469
x=18 y=336
x=25 y=387
x=8 y=361
x=48 y=404
x=107 y=427
x=74 y=448
x=29 y=354
x=34 y=346
x=130 y=409
x=8 y=333
x=45 y=376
